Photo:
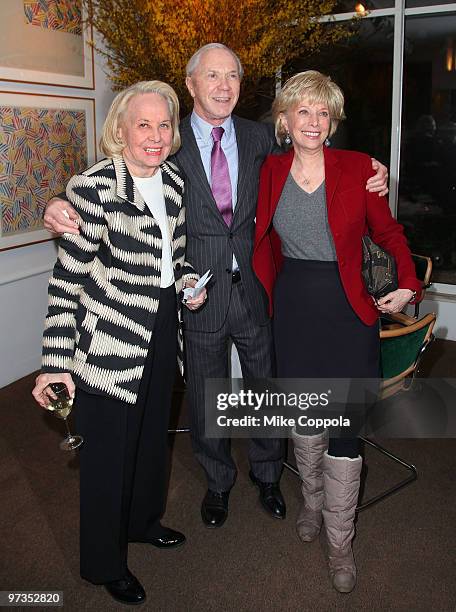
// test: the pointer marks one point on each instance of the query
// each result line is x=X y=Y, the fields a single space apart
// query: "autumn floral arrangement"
x=145 y=39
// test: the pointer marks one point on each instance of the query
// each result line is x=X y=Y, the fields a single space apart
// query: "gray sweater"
x=301 y=221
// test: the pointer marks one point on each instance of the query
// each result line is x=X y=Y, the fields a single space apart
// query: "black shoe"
x=270 y=497
x=214 y=509
x=167 y=538
x=128 y=590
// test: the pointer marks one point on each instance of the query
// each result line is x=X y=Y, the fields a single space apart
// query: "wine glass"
x=61 y=407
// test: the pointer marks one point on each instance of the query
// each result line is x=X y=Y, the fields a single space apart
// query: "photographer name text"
x=281 y=421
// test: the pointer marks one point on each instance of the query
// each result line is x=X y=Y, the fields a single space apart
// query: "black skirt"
x=316 y=332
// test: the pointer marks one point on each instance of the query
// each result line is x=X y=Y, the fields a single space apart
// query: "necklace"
x=306 y=179
x=303 y=180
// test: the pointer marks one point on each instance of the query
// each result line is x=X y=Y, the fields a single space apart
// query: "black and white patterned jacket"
x=105 y=287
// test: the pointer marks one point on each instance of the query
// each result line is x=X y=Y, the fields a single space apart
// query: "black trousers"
x=123 y=461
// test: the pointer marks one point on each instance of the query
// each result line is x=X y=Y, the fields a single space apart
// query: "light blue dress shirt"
x=203 y=135
x=202 y=131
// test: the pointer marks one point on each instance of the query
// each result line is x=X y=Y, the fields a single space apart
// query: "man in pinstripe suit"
x=236 y=308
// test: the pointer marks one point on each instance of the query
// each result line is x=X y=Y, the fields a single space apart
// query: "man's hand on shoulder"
x=60 y=217
x=379 y=182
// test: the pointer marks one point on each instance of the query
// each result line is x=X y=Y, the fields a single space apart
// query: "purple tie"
x=220 y=177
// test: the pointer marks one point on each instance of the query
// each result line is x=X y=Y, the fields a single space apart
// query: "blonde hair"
x=110 y=143
x=316 y=88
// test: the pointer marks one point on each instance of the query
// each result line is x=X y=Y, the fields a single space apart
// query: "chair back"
x=401 y=350
x=423 y=271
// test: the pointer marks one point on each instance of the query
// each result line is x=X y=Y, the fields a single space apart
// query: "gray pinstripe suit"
x=235 y=312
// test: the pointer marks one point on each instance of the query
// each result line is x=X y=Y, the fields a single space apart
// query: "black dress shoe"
x=270 y=497
x=214 y=509
x=165 y=538
x=127 y=590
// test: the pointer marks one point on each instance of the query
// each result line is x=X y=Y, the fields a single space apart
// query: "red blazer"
x=352 y=213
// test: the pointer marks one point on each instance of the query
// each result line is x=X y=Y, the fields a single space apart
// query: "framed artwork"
x=44 y=140
x=45 y=41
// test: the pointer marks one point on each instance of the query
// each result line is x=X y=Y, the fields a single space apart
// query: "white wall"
x=24 y=271
x=444 y=306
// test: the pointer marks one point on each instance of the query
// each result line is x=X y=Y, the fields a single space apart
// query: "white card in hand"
x=193 y=292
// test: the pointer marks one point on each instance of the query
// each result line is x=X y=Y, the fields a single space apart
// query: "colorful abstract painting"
x=40 y=149
x=64 y=15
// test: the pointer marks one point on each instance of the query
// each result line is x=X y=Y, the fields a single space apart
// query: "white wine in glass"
x=61 y=407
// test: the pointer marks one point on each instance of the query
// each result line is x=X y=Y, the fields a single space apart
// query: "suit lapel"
x=244 y=159
x=189 y=158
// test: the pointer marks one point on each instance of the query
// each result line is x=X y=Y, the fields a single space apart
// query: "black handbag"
x=378 y=269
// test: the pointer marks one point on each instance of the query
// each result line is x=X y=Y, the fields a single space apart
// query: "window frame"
x=399 y=12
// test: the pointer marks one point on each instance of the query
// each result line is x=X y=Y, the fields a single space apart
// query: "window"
x=416 y=3
x=346 y=6
x=362 y=66
x=427 y=179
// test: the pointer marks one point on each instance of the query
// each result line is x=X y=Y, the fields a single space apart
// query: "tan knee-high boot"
x=309 y=451
x=341 y=487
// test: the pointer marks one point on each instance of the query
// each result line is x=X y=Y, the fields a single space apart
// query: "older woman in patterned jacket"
x=112 y=333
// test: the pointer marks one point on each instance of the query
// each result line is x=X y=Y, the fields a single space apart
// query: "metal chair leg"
x=409 y=466
x=376 y=498
x=291 y=467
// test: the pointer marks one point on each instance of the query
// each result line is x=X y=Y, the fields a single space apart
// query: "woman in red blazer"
x=313 y=211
